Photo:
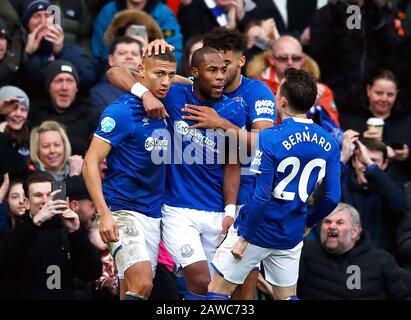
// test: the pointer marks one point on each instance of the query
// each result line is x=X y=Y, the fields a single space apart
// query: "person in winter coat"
x=41 y=256
x=343 y=265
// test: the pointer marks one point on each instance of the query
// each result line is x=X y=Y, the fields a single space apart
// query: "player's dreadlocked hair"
x=226 y=39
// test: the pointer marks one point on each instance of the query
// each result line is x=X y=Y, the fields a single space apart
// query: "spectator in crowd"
x=106 y=286
x=158 y=10
x=9 y=60
x=80 y=202
x=344 y=265
x=50 y=151
x=194 y=43
x=13 y=202
x=286 y=52
x=65 y=106
x=259 y=33
x=382 y=103
x=291 y=16
x=44 y=42
x=124 y=52
x=15 y=125
x=75 y=20
x=121 y=24
x=404 y=233
x=201 y=16
x=347 y=54
x=47 y=249
x=378 y=198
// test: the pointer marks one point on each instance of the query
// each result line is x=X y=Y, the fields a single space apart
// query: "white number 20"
x=279 y=192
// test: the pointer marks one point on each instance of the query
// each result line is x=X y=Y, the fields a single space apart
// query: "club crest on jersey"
x=186 y=251
x=107 y=124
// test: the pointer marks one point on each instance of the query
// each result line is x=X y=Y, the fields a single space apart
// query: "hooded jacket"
x=158 y=10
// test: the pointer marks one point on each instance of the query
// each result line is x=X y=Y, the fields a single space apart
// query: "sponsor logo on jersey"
x=107 y=124
x=264 y=107
x=155 y=144
x=196 y=136
x=257 y=158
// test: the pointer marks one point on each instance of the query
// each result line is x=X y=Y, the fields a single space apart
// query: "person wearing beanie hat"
x=31 y=7
x=44 y=42
x=15 y=125
x=57 y=67
x=80 y=200
x=65 y=106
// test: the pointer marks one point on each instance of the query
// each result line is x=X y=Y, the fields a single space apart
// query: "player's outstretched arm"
x=96 y=153
x=127 y=80
x=208 y=118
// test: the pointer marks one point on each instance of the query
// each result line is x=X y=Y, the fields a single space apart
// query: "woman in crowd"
x=381 y=102
x=50 y=150
x=15 y=125
x=13 y=202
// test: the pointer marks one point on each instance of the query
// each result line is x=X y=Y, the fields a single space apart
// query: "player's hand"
x=227 y=222
x=238 y=248
x=108 y=228
x=71 y=220
x=206 y=117
x=153 y=106
x=157 y=46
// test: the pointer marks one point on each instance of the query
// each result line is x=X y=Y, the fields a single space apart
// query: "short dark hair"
x=198 y=56
x=300 y=89
x=226 y=39
x=166 y=56
x=36 y=177
x=126 y=40
x=375 y=145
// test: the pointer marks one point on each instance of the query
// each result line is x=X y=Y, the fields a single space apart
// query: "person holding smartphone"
x=47 y=249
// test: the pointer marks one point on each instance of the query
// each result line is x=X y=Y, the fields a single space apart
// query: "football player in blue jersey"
x=200 y=184
x=129 y=200
x=289 y=162
x=259 y=104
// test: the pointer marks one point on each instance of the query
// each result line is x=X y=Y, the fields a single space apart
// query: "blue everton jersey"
x=291 y=159
x=135 y=180
x=258 y=102
x=195 y=175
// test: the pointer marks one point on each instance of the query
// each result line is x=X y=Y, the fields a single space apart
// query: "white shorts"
x=191 y=235
x=139 y=240
x=281 y=266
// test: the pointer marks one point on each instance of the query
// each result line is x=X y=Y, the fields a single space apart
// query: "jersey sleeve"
x=263 y=165
x=261 y=103
x=332 y=189
x=115 y=124
x=237 y=116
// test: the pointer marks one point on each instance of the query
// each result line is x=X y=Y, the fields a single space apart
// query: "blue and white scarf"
x=218 y=14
